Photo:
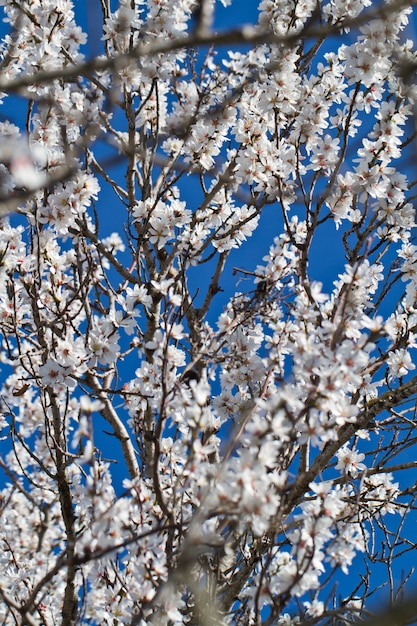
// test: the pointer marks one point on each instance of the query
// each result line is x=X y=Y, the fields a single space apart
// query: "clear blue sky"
x=328 y=256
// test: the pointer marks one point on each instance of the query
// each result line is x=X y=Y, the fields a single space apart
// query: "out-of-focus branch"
x=399 y=614
x=244 y=35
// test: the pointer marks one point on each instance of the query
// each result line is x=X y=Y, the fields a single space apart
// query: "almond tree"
x=179 y=446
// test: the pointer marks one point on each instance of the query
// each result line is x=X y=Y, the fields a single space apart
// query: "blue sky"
x=327 y=257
